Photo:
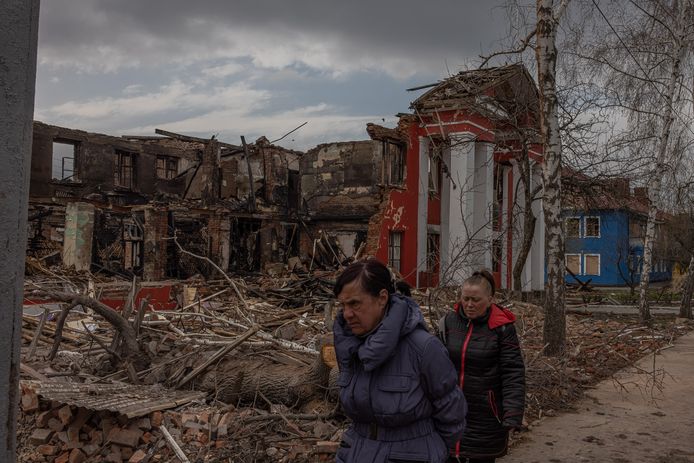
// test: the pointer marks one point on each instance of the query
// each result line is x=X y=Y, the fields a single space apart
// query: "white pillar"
x=422 y=205
x=459 y=260
x=483 y=194
x=445 y=237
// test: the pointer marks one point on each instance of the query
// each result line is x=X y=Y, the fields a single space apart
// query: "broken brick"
x=138 y=457
x=65 y=415
x=77 y=456
x=41 y=436
x=43 y=418
x=30 y=401
x=55 y=425
x=156 y=419
x=125 y=437
x=47 y=450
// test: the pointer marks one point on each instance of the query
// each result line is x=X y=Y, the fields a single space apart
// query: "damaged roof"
x=131 y=401
x=507 y=84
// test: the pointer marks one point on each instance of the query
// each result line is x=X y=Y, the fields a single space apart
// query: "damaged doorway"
x=245 y=245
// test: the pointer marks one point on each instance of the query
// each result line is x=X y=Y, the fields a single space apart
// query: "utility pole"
x=19 y=23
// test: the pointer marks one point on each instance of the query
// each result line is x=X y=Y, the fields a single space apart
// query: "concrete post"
x=79 y=235
x=18 y=38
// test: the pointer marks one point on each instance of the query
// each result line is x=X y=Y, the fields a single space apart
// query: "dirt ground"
x=636 y=417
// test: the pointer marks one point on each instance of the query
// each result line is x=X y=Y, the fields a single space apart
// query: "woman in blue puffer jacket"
x=396 y=381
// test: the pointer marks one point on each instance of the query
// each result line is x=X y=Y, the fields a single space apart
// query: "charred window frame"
x=167 y=167
x=64 y=156
x=395 y=250
x=124 y=174
x=393 y=163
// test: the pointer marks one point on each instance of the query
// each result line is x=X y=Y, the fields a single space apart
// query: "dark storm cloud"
x=149 y=31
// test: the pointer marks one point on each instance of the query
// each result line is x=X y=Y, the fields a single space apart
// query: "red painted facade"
x=401 y=214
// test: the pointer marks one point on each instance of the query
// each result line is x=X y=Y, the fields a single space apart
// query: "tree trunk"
x=131 y=346
x=687 y=290
x=529 y=220
x=656 y=181
x=554 y=331
x=234 y=382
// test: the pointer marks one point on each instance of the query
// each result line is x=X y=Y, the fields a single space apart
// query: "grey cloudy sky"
x=259 y=67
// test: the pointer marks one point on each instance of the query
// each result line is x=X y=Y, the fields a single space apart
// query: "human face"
x=475 y=300
x=361 y=310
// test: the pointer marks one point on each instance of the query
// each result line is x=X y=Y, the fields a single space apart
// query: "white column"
x=422 y=204
x=461 y=208
x=483 y=194
x=445 y=236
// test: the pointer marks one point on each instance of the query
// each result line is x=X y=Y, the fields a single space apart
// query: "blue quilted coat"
x=399 y=387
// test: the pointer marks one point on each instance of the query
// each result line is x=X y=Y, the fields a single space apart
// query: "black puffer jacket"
x=487 y=351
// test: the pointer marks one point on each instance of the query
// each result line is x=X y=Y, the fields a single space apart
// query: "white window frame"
x=585 y=265
x=585 y=226
x=580 y=227
x=580 y=262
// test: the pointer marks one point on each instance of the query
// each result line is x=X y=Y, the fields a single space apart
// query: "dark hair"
x=482 y=277
x=372 y=275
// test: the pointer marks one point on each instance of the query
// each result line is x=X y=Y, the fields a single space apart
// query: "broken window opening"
x=245 y=245
x=434 y=169
x=394 y=248
x=393 y=163
x=433 y=252
x=124 y=175
x=133 y=236
x=497 y=213
x=63 y=161
x=167 y=167
x=572 y=227
x=592 y=227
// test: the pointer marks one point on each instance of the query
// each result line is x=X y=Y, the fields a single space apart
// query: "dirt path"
x=613 y=426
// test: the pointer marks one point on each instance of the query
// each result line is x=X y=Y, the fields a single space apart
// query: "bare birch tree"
x=640 y=60
x=554 y=331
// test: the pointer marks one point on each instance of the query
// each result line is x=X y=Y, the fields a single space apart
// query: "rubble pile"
x=239 y=369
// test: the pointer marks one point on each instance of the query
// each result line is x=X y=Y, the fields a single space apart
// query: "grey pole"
x=19 y=23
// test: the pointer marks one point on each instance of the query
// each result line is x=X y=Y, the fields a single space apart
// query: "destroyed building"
x=440 y=195
x=117 y=203
x=435 y=197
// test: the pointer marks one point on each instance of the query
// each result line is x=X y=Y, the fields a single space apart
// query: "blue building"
x=604 y=236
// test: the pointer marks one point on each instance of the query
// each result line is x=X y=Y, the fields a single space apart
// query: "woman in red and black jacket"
x=483 y=345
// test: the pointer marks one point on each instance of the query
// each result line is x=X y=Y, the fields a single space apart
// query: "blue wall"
x=613 y=248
